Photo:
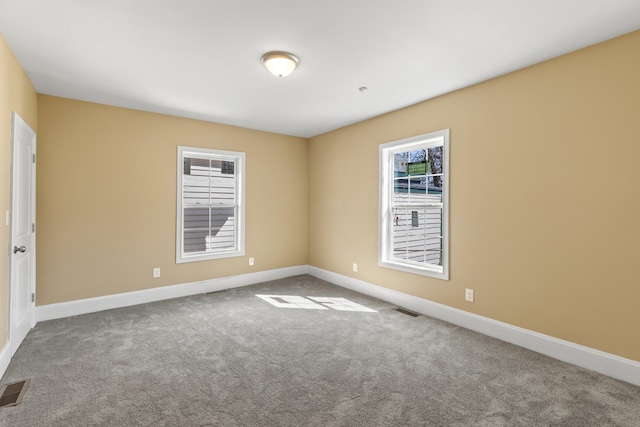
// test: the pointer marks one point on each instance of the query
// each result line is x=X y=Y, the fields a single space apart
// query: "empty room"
x=337 y=213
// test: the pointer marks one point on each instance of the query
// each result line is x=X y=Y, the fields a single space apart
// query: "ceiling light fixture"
x=280 y=64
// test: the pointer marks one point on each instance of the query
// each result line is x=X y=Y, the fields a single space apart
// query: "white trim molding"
x=108 y=302
x=605 y=363
x=5 y=357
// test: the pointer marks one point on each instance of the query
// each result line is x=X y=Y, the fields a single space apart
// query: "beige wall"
x=545 y=197
x=545 y=206
x=16 y=94
x=106 y=201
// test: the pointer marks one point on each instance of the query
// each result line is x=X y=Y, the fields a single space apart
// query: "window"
x=413 y=217
x=210 y=211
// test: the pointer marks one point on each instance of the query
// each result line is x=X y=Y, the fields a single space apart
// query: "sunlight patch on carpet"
x=314 y=303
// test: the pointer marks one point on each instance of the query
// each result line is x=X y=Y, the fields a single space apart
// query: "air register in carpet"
x=11 y=394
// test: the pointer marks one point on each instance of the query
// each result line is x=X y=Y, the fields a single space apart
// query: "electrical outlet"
x=156 y=272
x=355 y=267
x=251 y=260
x=468 y=295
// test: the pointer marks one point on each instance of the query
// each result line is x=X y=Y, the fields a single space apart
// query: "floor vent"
x=11 y=394
x=407 y=312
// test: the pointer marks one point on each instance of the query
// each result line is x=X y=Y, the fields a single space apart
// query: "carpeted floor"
x=233 y=359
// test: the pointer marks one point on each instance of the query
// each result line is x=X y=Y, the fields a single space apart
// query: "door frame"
x=15 y=122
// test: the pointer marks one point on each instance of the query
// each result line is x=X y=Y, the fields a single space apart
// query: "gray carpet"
x=232 y=359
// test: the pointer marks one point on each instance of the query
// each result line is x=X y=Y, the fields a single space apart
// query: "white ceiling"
x=201 y=58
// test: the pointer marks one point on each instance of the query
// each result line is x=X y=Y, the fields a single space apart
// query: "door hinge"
x=34 y=158
x=33 y=297
x=33 y=227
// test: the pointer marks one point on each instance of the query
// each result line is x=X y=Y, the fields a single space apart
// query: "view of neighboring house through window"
x=413 y=233
x=210 y=200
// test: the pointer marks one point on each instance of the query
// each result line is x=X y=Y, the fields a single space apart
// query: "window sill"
x=208 y=256
x=438 y=273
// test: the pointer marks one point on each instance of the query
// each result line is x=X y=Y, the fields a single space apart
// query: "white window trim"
x=386 y=189
x=239 y=158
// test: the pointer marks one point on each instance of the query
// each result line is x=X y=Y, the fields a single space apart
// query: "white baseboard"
x=108 y=302
x=566 y=351
x=589 y=358
x=5 y=357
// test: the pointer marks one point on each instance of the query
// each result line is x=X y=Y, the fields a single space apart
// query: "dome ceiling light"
x=280 y=64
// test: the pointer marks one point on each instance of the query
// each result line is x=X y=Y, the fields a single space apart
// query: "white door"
x=23 y=236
